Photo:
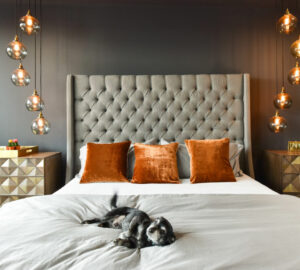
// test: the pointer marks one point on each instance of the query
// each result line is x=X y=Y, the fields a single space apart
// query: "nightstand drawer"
x=21 y=167
x=291 y=183
x=13 y=185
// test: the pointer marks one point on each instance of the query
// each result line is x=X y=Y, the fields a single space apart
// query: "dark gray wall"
x=148 y=37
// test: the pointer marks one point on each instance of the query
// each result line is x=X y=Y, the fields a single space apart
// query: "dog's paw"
x=118 y=242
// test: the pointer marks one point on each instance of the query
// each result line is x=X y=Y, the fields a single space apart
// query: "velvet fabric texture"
x=106 y=163
x=210 y=161
x=155 y=164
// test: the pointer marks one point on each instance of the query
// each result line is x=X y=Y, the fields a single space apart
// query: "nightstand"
x=282 y=171
x=32 y=175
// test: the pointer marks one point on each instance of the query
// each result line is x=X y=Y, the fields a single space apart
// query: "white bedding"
x=244 y=185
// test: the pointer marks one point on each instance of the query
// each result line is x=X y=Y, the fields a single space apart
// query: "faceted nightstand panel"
x=32 y=175
x=282 y=171
x=21 y=167
x=21 y=185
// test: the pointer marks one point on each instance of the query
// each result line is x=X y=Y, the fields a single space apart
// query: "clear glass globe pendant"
x=34 y=102
x=29 y=24
x=277 y=123
x=283 y=100
x=287 y=23
x=20 y=77
x=16 y=49
x=40 y=126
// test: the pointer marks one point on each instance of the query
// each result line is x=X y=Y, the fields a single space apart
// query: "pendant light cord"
x=16 y=16
x=282 y=56
x=35 y=51
x=41 y=31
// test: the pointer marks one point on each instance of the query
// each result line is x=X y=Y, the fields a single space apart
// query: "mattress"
x=244 y=185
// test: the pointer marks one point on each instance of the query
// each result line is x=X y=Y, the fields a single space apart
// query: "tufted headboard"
x=174 y=107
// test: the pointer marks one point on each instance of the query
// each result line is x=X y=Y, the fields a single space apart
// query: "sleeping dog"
x=138 y=229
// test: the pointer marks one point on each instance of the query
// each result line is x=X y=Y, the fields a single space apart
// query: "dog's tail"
x=113 y=201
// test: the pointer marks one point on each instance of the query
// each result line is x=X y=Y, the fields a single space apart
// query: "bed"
x=238 y=225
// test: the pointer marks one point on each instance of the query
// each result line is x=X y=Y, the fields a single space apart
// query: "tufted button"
x=97 y=120
x=81 y=140
x=219 y=119
x=97 y=140
x=89 y=109
x=81 y=99
x=211 y=129
x=81 y=120
x=227 y=129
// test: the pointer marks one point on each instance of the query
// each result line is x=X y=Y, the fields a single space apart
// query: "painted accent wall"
x=149 y=37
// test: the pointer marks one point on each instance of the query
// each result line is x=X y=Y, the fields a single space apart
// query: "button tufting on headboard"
x=115 y=108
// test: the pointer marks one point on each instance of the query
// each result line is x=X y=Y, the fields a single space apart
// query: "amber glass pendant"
x=283 y=100
x=287 y=23
x=277 y=123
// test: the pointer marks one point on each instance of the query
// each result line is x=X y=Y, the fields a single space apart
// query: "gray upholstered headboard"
x=175 y=107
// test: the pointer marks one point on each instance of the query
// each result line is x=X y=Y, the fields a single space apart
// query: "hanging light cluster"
x=285 y=25
x=16 y=50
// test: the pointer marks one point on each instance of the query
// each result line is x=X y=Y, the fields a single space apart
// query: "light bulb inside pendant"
x=40 y=126
x=20 y=77
x=287 y=23
x=29 y=24
x=283 y=100
x=16 y=49
x=294 y=75
x=34 y=102
x=277 y=123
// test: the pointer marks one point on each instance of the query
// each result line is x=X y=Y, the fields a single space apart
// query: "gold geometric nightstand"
x=282 y=171
x=32 y=175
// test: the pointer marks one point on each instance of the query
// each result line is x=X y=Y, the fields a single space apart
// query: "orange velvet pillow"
x=155 y=164
x=106 y=163
x=210 y=161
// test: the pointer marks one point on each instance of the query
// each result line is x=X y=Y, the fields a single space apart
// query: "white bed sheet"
x=244 y=185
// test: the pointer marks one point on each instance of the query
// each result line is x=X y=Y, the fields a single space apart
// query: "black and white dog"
x=138 y=229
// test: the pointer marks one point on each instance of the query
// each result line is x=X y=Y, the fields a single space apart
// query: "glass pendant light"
x=34 y=102
x=16 y=49
x=294 y=75
x=283 y=100
x=40 y=126
x=287 y=23
x=20 y=77
x=277 y=123
x=295 y=48
x=29 y=24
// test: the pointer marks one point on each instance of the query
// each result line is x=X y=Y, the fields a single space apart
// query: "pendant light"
x=294 y=75
x=34 y=102
x=29 y=24
x=277 y=123
x=295 y=48
x=40 y=126
x=16 y=49
x=20 y=77
x=287 y=23
x=283 y=100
